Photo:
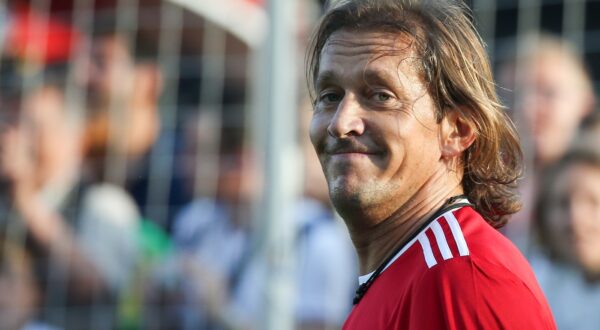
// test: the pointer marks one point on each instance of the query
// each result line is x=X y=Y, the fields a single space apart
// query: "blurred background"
x=156 y=173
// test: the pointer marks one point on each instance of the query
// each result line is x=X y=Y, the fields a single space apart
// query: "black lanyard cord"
x=448 y=205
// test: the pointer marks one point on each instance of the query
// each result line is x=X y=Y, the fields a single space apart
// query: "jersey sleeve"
x=461 y=294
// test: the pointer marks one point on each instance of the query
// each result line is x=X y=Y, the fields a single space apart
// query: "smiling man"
x=421 y=163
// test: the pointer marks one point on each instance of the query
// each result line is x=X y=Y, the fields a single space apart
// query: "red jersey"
x=457 y=273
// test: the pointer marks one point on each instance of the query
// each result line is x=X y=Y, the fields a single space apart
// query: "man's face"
x=374 y=126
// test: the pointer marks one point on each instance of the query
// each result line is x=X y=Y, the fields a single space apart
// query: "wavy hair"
x=455 y=68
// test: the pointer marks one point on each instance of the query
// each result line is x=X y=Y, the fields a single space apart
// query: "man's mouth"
x=352 y=153
x=349 y=148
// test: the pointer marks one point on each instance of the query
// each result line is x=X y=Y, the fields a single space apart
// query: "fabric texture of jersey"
x=457 y=273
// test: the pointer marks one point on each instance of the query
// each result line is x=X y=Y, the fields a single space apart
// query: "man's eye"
x=381 y=97
x=331 y=97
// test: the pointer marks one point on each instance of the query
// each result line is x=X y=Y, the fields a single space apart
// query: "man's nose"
x=347 y=120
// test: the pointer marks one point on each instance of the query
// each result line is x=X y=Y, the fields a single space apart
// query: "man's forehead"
x=347 y=42
x=366 y=51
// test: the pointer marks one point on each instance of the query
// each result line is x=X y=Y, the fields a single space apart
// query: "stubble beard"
x=362 y=202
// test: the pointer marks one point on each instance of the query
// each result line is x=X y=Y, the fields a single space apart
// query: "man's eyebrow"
x=378 y=77
x=369 y=76
x=325 y=77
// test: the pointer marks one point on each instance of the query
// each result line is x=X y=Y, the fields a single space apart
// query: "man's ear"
x=456 y=134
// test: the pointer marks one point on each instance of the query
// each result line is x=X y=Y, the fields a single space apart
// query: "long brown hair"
x=456 y=70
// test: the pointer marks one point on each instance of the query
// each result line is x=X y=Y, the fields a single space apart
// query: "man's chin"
x=347 y=196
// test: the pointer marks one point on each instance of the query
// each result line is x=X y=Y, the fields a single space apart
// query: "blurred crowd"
x=84 y=244
x=551 y=98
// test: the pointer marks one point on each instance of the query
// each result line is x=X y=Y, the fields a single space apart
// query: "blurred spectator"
x=325 y=276
x=551 y=92
x=20 y=294
x=568 y=226
x=590 y=127
x=82 y=233
x=123 y=83
x=212 y=238
x=326 y=266
x=122 y=91
x=225 y=282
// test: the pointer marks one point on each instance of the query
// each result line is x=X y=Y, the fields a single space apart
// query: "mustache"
x=341 y=146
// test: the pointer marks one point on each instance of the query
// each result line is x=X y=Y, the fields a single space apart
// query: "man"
x=421 y=163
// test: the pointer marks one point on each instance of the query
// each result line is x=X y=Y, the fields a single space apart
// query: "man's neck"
x=377 y=243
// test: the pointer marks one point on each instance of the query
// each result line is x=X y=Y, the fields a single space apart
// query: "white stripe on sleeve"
x=426 y=246
x=463 y=249
x=441 y=240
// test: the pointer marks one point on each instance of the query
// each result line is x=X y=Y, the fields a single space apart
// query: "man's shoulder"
x=479 y=240
x=461 y=246
x=488 y=247
x=456 y=250
x=478 y=276
x=458 y=273
x=472 y=260
x=447 y=247
x=460 y=233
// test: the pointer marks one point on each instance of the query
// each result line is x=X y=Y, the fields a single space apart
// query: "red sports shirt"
x=458 y=273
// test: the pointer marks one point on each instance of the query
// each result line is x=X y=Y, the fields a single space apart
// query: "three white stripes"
x=441 y=241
